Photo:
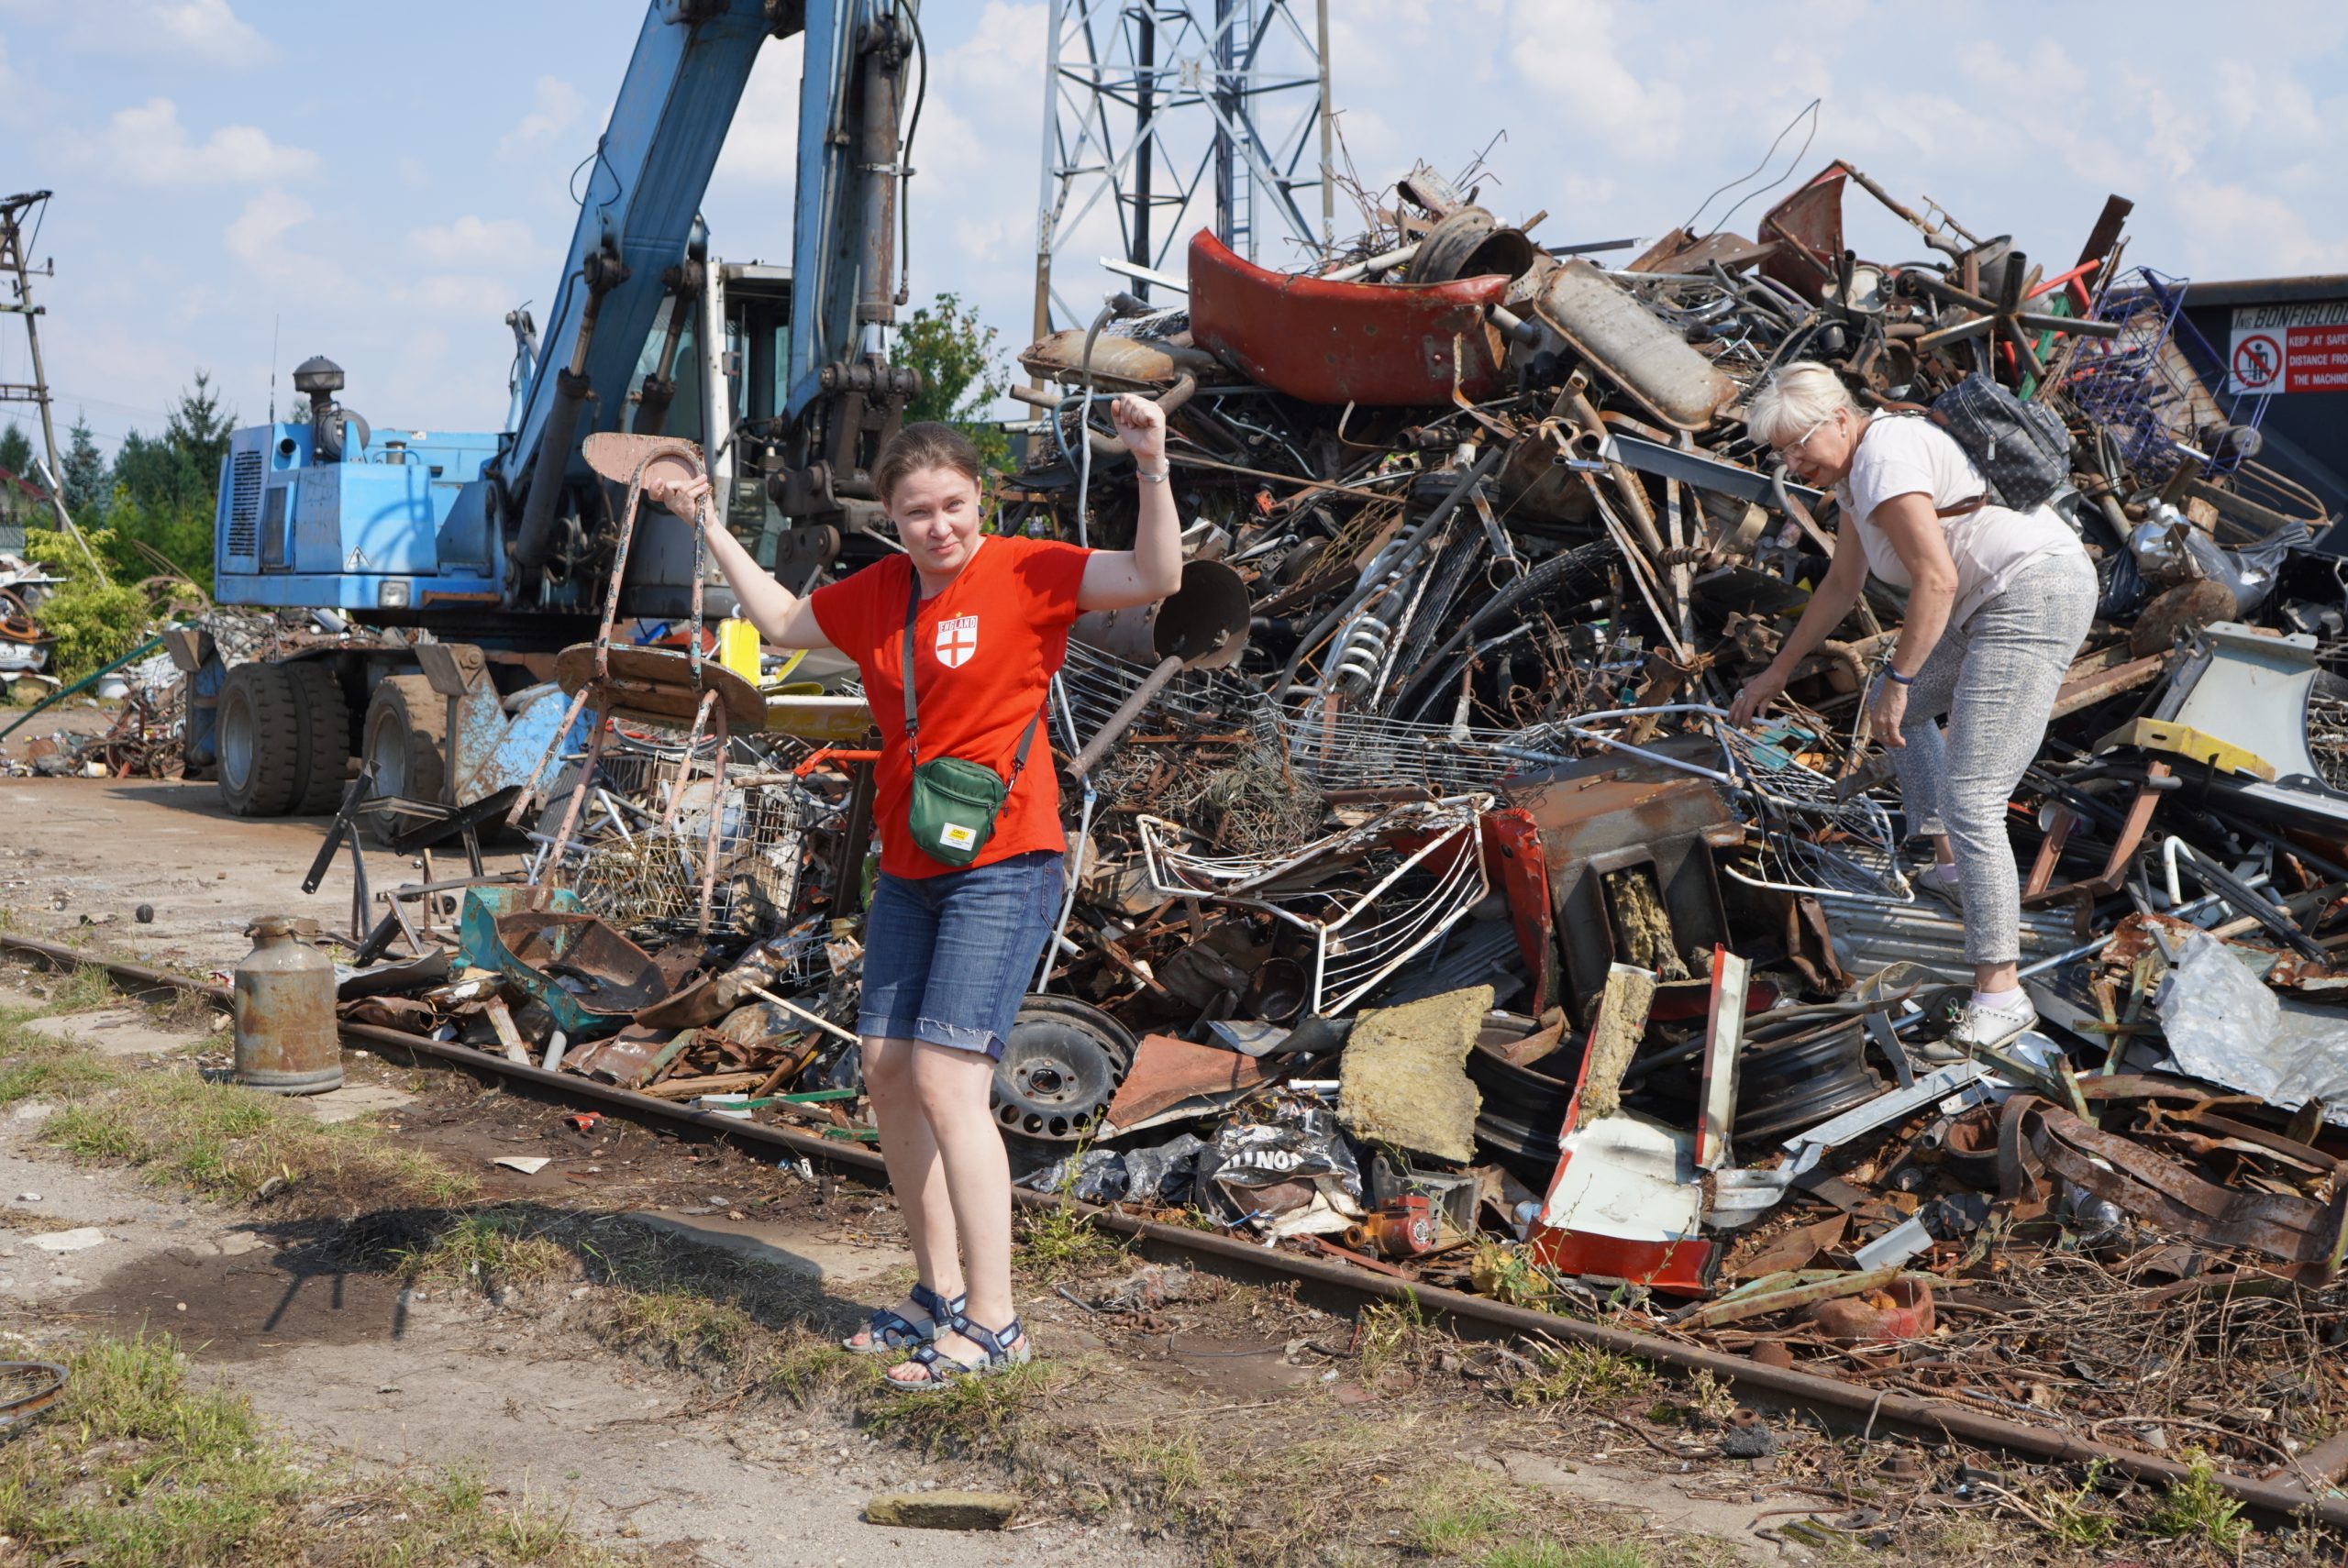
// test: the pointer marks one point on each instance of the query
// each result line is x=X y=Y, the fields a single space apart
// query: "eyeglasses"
x=1803 y=439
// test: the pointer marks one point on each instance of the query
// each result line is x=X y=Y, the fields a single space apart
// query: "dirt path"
x=352 y=1364
x=85 y=851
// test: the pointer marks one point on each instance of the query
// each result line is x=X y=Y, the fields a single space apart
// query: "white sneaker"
x=1947 y=886
x=1983 y=1025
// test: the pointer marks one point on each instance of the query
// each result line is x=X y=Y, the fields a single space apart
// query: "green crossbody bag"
x=955 y=802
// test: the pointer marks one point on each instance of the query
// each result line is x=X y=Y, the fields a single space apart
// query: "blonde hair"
x=1795 y=398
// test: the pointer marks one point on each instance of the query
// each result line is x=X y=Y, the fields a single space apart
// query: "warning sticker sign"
x=2289 y=348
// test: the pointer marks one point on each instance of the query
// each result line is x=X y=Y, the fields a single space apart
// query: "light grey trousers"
x=1995 y=679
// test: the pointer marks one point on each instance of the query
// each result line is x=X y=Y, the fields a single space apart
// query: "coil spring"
x=1361 y=648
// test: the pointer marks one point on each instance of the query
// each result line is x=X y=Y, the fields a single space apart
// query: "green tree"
x=17 y=451
x=92 y=620
x=198 y=427
x=84 y=479
x=165 y=490
x=962 y=372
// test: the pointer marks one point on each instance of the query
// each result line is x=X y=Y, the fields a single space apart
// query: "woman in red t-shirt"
x=948 y=951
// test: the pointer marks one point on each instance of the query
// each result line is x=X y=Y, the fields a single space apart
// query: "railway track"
x=1872 y=1411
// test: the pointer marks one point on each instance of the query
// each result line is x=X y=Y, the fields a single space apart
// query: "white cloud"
x=2254 y=101
x=555 y=104
x=202 y=30
x=475 y=242
x=147 y=146
x=257 y=238
x=1565 y=48
x=761 y=149
x=261 y=237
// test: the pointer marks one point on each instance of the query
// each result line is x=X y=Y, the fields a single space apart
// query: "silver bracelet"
x=1147 y=478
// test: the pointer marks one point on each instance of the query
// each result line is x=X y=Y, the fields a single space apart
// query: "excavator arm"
x=638 y=241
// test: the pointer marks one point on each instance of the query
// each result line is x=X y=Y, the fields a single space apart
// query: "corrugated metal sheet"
x=1869 y=936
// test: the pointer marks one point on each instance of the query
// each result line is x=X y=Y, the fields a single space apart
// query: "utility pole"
x=16 y=265
x=1163 y=116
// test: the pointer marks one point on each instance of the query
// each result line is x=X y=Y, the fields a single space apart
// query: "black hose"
x=1539 y=581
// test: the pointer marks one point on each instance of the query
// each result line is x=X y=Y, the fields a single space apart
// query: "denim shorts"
x=947 y=959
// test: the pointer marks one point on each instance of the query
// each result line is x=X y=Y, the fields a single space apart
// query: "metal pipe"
x=1627 y=483
x=1127 y=711
x=1385 y=262
x=826 y=1024
x=141 y=651
x=1928 y=1417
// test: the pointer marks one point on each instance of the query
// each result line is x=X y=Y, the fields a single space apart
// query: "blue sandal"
x=891 y=1331
x=1001 y=1350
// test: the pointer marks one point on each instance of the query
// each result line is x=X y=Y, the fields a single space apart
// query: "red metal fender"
x=1374 y=344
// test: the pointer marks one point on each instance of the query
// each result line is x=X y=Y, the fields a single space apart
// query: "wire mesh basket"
x=645 y=876
x=1370 y=897
x=2141 y=388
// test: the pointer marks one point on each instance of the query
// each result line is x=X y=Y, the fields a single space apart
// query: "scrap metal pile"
x=155 y=687
x=1426 y=914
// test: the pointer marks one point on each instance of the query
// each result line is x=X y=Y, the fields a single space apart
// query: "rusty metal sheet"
x=2153 y=1187
x=1808 y=227
x=1172 y=1078
x=1680 y=251
x=1513 y=851
x=538 y=950
x=1593 y=821
x=1382 y=345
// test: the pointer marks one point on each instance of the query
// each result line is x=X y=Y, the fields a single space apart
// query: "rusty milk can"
x=286 y=1041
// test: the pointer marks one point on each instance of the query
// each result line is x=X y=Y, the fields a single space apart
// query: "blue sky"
x=382 y=183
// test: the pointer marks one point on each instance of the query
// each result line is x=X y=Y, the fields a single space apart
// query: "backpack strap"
x=1889 y=405
x=913 y=750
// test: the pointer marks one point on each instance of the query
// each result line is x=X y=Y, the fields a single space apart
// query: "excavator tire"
x=406 y=740
x=325 y=738
x=260 y=741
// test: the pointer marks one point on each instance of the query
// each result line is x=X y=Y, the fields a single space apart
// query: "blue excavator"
x=484 y=554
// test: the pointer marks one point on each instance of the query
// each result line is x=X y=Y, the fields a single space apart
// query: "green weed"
x=968 y=1416
x=1391 y=1334
x=490 y=1249
x=139 y=1467
x=1547 y=1554
x=2078 y=1517
x=2197 y=1508
x=1577 y=1374
x=1054 y=1240
x=1455 y=1525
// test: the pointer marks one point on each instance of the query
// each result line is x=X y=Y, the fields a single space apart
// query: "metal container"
x=1600 y=319
x=286 y=1040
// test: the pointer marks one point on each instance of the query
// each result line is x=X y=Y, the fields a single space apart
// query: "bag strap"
x=913 y=720
x=1889 y=405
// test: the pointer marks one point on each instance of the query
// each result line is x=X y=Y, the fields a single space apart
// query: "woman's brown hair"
x=928 y=445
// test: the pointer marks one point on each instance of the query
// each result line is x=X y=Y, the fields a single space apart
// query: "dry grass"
x=138 y=1468
x=218 y=1140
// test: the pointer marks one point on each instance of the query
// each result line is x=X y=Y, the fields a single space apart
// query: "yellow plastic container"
x=738 y=647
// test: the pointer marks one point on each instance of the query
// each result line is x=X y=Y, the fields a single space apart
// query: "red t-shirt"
x=984 y=653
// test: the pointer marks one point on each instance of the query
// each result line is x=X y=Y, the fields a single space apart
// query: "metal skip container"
x=286 y=1039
